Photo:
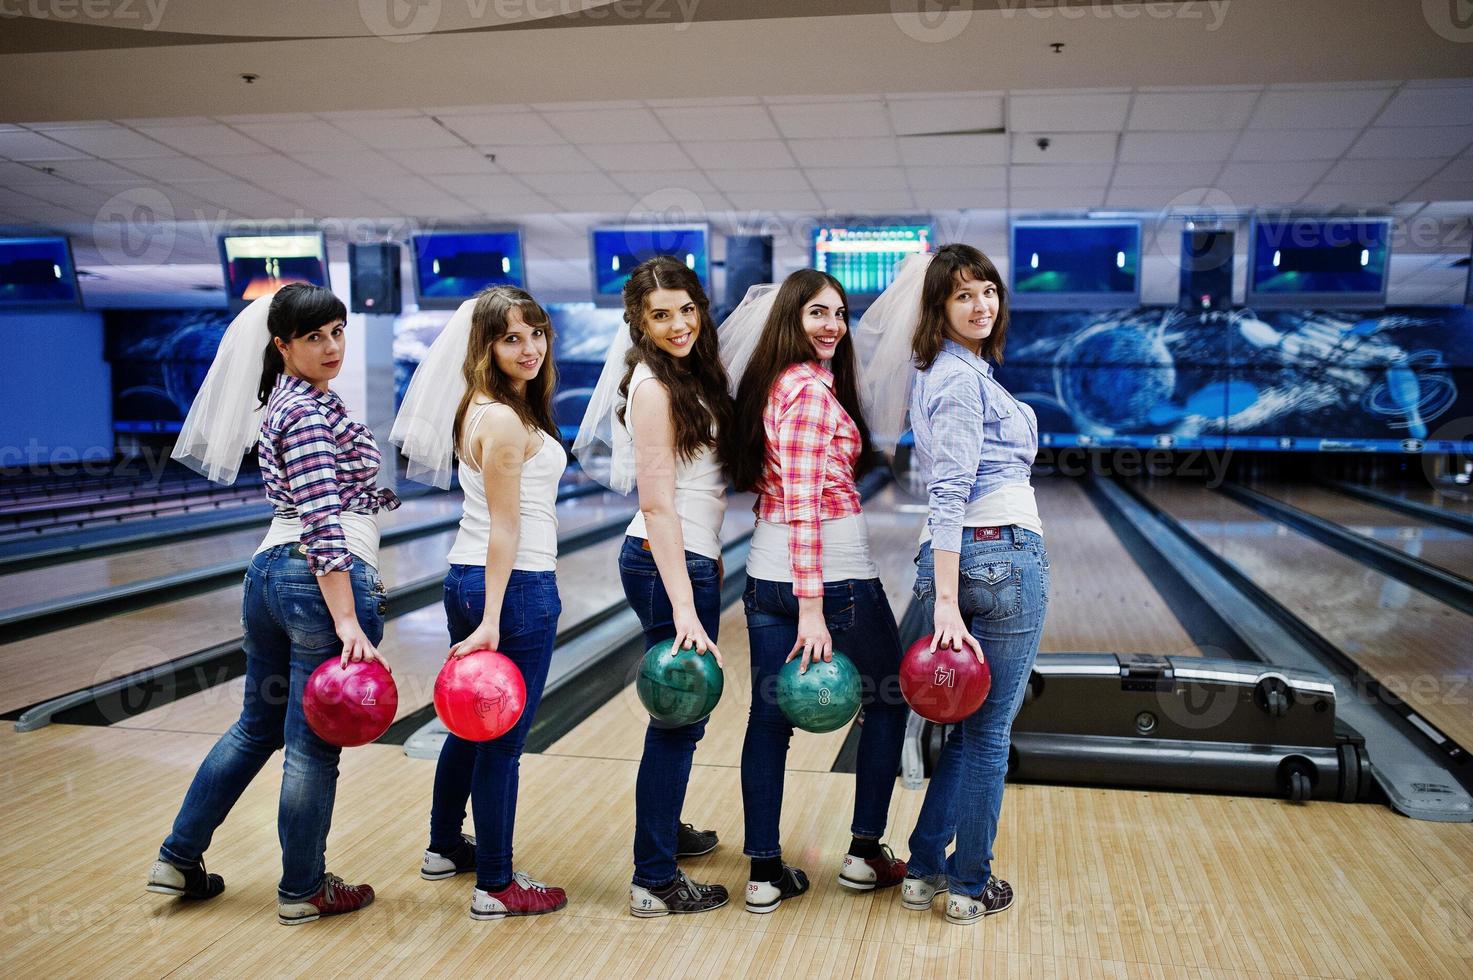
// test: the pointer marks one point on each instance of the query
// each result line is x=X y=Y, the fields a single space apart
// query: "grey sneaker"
x=963 y=910
x=917 y=894
x=681 y=895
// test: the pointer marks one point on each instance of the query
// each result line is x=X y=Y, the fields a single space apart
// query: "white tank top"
x=537 y=534
x=1011 y=503
x=700 y=489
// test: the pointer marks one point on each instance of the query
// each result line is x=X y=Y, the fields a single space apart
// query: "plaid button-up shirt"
x=316 y=464
x=812 y=448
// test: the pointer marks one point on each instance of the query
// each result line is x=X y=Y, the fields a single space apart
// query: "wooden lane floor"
x=1101 y=600
x=1460 y=502
x=1417 y=647
x=92 y=574
x=1109 y=883
x=415 y=644
x=46 y=666
x=1432 y=543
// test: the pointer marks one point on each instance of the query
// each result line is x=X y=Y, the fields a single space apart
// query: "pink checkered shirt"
x=812 y=448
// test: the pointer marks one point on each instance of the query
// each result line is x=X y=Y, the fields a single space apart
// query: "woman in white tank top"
x=673 y=402
x=501 y=591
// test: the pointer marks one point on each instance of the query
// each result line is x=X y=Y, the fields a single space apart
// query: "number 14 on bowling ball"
x=944 y=686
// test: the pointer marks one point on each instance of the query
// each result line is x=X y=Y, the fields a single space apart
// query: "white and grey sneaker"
x=765 y=896
x=437 y=867
x=917 y=894
x=963 y=910
x=680 y=896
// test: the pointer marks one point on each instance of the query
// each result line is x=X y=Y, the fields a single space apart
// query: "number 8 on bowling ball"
x=825 y=698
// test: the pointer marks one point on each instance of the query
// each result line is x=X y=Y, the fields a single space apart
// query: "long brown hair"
x=784 y=343
x=697 y=382
x=951 y=266
x=491 y=319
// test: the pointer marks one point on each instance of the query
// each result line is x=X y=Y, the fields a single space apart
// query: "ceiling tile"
x=561 y=159
x=1358 y=194
x=831 y=120
x=945 y=115
x=213 y=139
x=496 y=129
x=415 y=132
x=89 y=171
x=589 y=183
x=871 y=152
x=774 y=200
x=1452 y=106
x=443 y=160
x=956 y=178
x=825 y=179
x=948 y=199
x=868 y=201
x=740 y=154
x=496 y=203
x=1382 y=171
x=1297 y=109
x=255 y=167
x=1459 y=169
x=23 y=145
x=594 y=203
x=1399 y=142
x=652 y=181
x=1201 y=147
x=608 y=126
x=1438 y=189
x=1103 y=113
x=1058 y=197
x=750 y=122
x=296 y=138
x=1068 y=148
x=1288 y=170
x=1192 y=110
x=637 y=156
x=268 y=117
x=462 y=185
x=1154 y=175
x=1153 y=197
x=114 y=143
x=1251 y=193
x=950 y=151
x=759 y=180
x=1299 y=144
x=1058 y=175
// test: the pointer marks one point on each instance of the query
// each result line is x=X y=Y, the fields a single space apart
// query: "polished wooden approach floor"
x=1110 y=883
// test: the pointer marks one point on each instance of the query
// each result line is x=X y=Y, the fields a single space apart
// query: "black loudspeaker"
x=748 y=263
x=1206 y=269
x=373 y=272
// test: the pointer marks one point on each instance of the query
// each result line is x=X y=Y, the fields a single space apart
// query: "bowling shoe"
x=884 y=870
x=438 y=866
x=524 y=896
x=167 y=879
x=335 y=897
x=690 y=842
x=917 y=894
x=765 y=896
x=681 y=895
x=963 y=910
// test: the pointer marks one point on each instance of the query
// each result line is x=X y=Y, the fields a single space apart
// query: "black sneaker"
x=764 y=896
x=681 y=895
x=169 y=879
x=690 y=842
x=436 y=867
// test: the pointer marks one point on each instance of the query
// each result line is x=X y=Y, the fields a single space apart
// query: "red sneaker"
x=866 y=874
x=335 y=897
x=524 y=896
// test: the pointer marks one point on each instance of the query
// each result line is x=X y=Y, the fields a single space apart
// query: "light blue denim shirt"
x=971 y=437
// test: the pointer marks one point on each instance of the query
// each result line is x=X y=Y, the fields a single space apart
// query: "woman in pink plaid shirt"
x=800 y=442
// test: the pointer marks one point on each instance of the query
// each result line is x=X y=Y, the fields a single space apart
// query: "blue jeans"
x=288 y=633
x=487 y=772
x=862 y=626
x=664 y=769
x=1003 y=594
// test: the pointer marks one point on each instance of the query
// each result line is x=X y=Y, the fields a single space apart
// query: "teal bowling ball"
x=678 y=687
x=823 y=699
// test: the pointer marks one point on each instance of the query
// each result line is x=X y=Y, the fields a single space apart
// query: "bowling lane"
x=1459 y=502
x=1102 y=601
x=616 y=730
x=1432 y=543
x=92 y=574
x=1414 y=645
x=415 y=644
x=46 y=666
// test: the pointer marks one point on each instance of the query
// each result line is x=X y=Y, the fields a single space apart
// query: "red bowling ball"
x=480 y=696
x=945 y=686
x=350 y=705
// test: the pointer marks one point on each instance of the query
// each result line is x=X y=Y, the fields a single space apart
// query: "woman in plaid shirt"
x=800 y=442
x=312 y=592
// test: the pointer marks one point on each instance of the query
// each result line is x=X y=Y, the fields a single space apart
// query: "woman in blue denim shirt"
x=983 y=574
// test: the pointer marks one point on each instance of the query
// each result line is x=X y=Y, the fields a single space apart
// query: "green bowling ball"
x=823 y=699
x=678 y=687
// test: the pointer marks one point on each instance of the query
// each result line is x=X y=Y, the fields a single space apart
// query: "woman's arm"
x=499 y=444
x=654 y=468
x=955 y=446
x=805 y=429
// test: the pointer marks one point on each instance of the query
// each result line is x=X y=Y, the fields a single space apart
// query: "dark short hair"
x=298 y=308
